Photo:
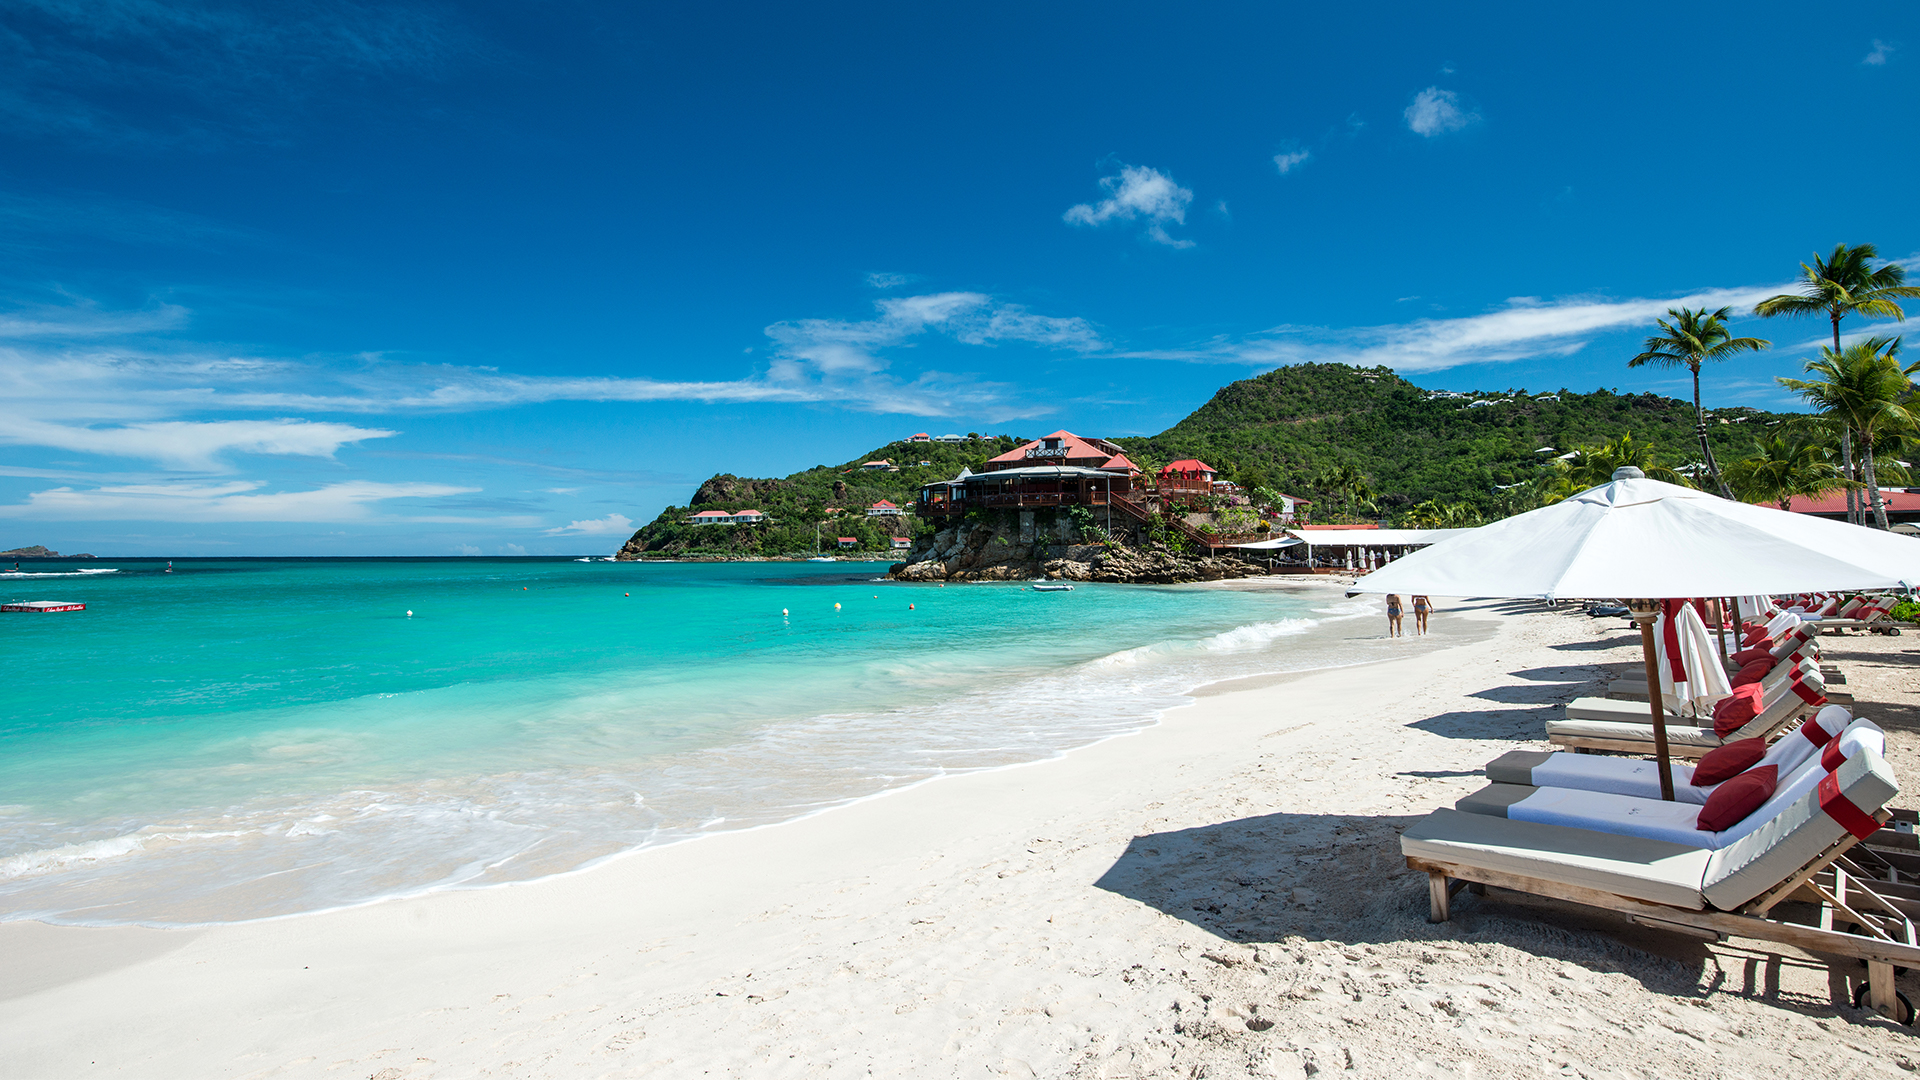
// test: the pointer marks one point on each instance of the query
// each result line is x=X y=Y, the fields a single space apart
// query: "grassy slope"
x=1282 y=428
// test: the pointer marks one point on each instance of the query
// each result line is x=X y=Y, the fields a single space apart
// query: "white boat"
x=1052 y=586
x=823 y=558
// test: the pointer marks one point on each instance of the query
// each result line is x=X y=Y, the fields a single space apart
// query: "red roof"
x=713 y=513
x=1075 y=446
x=848 y=540
x=884 y=505
x=1836 y=502
x=1119 y=461
x=1188 y=465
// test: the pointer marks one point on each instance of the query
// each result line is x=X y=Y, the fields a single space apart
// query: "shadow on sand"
x=1260 y=880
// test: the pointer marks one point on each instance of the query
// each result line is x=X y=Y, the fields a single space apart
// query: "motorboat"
x=1052 y=586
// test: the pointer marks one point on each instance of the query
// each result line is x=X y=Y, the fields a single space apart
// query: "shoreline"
x=1148 y=685
x=1219 y=892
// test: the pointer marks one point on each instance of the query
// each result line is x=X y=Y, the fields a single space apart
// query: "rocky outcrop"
x=1026 y=546
x=728 y=488
x=38 y=551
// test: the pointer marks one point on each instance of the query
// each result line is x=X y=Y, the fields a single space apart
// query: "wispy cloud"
x=235 y=500
x=188 y=445
x=611 y=525
x=1882 y=51
x=199 y=72
x=1139 y=193
x=1526 y=328
x=1291 y=158
x=65 y=369
x=1435 y=112
x=878 y=280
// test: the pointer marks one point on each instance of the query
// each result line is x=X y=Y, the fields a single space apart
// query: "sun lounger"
x=1632 y=815
x=1640 y=778
x=1734 y=890
x=1775 y=682
x=1683 y=740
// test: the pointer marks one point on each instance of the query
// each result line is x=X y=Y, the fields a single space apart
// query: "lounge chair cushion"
x=1753 y=671
x=1656 y=871
x=1728 y=761
x=1748 y=656
x=1732 y=801
x=1798 y=834
x=1736 y=709
x=1516 y=766
x=1678 y=732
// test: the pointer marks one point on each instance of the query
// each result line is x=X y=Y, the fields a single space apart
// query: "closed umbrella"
x=1692 y=679
x=1643 y=540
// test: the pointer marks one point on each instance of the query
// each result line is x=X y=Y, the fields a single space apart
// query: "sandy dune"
x=1218 y=896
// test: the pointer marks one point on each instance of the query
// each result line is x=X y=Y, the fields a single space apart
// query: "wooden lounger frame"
x=1844 y=895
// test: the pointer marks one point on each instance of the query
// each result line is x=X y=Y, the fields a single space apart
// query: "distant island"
x=1345 y=445
x=37 y=552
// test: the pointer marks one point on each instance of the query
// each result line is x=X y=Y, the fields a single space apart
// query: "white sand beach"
x=1221 y=895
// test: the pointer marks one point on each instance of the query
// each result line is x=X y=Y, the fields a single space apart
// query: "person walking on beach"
x=1393 y=614
x=1422 y=607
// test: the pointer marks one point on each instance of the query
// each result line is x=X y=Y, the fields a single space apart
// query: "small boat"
x=583 y=560
x=823 y=558
x=42 y=606
x=1052 y=586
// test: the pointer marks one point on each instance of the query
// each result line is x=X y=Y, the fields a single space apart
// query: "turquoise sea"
x=248 y=738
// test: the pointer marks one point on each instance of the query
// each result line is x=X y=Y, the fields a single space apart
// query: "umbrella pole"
x=1643 y=613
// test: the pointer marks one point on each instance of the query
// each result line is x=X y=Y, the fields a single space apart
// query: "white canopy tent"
x=1644 y=540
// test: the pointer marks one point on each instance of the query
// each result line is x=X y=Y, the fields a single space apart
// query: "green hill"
x=1283 y=429
x=1291 y=425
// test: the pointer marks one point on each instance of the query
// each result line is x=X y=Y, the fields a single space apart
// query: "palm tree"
x=1691 y=339
x=1863 y=389
x=1788 y=465
x=1591 y=466
x=1843 y=284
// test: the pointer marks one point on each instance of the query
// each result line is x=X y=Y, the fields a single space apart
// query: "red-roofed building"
x=1063 y=448
x=902 y=543
x=883 y=508
x=920 y=436
x=1903 y=505
x=848 y=541
x=883 y=465
x=727 y=517
x=1187 y=480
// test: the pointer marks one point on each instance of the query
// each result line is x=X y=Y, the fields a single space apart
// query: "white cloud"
x=1138 y=193
x=611 y=525
x=887 y=281
x=1289 y=160
x=466 y=549
x=1435 y=112
x=1524 y=329
x=1881 y=51
x=234 y=500
x=189 y=445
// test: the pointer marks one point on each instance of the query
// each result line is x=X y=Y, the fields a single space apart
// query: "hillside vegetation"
x=1290 y=426
x=1287 y=429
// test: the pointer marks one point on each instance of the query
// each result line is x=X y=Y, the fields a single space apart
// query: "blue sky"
x=327 y=278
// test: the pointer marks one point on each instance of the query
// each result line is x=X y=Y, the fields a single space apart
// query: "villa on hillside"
x=1062 y=469
x=883 y=508
x=1187 y=478
x=727 y=517
x=919 y=436
x=951 y=438
x=902 y=543
x=883 y=465
x=848 y=542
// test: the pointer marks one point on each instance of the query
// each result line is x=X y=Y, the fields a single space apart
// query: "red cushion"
x=1748 y=656
x=1728 y=761
x=1734 y=711
x=1753 y=672
x=1754 y=636
x=1833 y=756
x=1732 y=801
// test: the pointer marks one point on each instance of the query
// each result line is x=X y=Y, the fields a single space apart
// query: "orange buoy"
x=909 y=607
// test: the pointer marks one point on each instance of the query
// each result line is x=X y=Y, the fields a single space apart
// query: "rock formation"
x=1022 y=546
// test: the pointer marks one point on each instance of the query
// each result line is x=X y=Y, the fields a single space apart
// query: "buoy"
x=783 y=611
x=836 y=607
x=523 y=588
x=909 y=607
x=409 y=613
x=626 y=594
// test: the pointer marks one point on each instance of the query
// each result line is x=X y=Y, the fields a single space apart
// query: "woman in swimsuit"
x=1393 y=614
x=1421 y=608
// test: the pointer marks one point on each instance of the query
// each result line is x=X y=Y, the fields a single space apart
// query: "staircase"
x=1140 y=513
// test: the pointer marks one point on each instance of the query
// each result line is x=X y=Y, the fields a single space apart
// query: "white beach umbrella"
x=1692 y=679
x=1641 y=540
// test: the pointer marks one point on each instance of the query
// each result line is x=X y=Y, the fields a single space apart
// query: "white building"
x=727 y=517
